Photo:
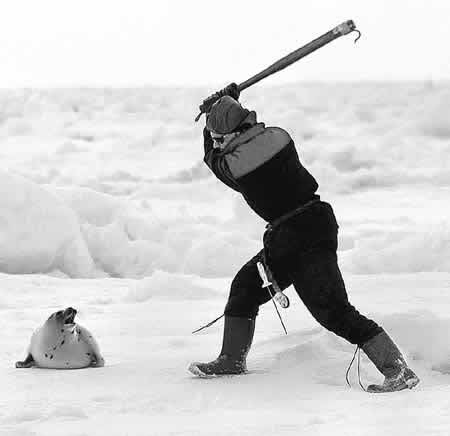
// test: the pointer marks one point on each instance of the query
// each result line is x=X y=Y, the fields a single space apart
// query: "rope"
x=276 y=308
x=349 y=367
x=359 y=373
x=209 y=324
x=357 y=351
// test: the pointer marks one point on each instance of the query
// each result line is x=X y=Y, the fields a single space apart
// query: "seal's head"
x=60 y=343
x=65 y=317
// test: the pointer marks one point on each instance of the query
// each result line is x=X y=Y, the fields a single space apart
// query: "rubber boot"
x=388 y=359
x=237 y=340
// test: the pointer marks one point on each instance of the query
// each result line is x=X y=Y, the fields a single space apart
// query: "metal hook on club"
x=359 y=35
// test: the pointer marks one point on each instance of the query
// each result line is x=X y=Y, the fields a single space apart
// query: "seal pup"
x=60 y=343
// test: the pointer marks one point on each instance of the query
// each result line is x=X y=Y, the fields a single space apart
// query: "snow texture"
x=118 y=177
x=106 y=206
x=296 y=384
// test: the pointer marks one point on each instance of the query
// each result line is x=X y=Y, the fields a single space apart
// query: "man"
x=300 y=243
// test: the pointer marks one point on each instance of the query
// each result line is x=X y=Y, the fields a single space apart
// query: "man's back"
x=262 y=163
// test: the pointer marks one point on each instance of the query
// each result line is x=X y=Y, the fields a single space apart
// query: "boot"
x=237 y=339
x=385 y=355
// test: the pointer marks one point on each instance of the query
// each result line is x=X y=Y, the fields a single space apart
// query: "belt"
x=276 y=222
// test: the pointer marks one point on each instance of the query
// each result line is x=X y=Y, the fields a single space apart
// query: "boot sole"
x=195 y=370
x=412 y=382
x=380 y=389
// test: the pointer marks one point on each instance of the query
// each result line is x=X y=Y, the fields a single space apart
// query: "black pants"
x=302 y=252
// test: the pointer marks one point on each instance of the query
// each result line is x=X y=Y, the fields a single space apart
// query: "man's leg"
x=319 y=284
x=246 y=295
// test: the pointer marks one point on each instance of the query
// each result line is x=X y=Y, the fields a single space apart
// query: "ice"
x=106 y=206
x=144 y=334
x=128 y=163
x=166 y=285
x=399 y=253
x=38 y=232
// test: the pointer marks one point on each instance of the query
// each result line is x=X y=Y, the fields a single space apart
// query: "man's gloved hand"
x=232 y=90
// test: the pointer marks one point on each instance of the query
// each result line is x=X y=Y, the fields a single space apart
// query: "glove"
x=232 y=90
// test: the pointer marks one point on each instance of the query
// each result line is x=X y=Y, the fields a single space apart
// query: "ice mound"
x=153 y=204
x=38 y=232
x=122 y=242
x=126 y=241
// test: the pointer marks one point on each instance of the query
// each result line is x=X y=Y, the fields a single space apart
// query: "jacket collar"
x=250 y=118
x=244 y=137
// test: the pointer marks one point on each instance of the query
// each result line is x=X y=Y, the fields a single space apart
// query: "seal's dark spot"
x=88 y=354
x=62 y=342
x=46 y=355
x=62 y=330
x=54 y=348
x=51 y=356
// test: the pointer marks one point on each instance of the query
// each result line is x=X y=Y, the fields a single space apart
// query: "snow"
x=297 y=384
x=105 y=206
x=39 y=233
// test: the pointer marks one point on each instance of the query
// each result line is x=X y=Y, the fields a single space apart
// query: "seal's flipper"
x=97 y=361
x=27 y=363
x=96 y=358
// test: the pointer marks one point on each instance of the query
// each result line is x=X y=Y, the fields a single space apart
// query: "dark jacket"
x=263 y=165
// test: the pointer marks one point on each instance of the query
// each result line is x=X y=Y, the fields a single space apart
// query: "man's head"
x=225 y=116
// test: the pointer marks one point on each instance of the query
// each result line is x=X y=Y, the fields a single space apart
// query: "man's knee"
x=328 y=316
x=346 y=322
x=242 y=308
x=242 y=301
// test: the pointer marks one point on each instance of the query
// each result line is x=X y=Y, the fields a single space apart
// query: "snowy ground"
x=105 y=206
x=298 y=381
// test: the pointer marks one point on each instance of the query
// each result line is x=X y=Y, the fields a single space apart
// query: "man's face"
x=221 y=141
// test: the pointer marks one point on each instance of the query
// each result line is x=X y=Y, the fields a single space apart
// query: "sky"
x=176 y=42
